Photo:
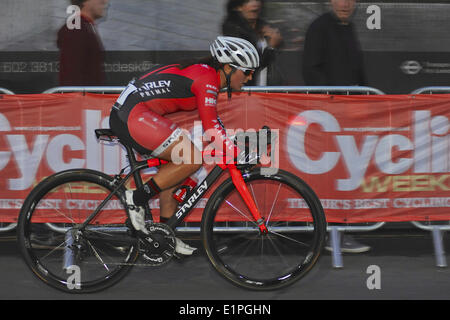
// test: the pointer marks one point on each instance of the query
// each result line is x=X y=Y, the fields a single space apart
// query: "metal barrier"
x=351 y=90
x=249 y=89
x=431 y=90
x=6 y=91
x=95 y=89
x=437 y=229
x=5 y=227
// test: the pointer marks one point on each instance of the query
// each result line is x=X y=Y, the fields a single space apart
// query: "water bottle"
x=184 y=189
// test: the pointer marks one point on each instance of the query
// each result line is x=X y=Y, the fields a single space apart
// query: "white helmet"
x=235 y=51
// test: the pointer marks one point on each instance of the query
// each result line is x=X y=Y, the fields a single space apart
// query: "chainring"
x=161 y=248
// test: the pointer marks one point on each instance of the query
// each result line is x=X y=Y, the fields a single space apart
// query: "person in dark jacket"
x=332 y=54
x=82 y=54
x=332 y=57
x=243 y=21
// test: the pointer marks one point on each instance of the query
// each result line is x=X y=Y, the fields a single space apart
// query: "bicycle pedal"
x=181 y=257
x=178 y=256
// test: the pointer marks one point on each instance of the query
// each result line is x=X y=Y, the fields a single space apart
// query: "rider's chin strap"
x=228 y=78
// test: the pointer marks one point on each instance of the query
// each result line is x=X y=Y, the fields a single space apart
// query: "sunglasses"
x=247 y=72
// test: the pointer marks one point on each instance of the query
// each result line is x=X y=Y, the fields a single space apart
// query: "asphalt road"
x=405 y=260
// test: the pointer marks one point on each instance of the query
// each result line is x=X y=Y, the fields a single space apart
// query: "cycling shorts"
x=144 y=130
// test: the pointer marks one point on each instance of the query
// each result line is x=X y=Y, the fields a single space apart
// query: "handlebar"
x=251 y=147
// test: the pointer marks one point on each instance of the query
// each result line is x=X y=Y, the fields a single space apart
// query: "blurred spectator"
x=332 y=54
x=243 y=21
x=81 y=50
x=333 y=57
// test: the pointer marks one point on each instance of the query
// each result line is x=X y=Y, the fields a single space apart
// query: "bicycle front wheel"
x=58 y=250
x=248 y=258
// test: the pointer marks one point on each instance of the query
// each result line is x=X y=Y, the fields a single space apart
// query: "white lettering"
x=92 y=120
x=210 y=101
x=356 y=163
x=4 y=155
x=55 y=152
x=27 y=162
x=74 y=280
x=74 y=20
x=374 y=281
x=429 y=152
x=383 y=154
x=374 y=21
x=422 y=137
x=296 y=142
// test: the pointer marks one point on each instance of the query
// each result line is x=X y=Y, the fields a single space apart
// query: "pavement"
x=403 y=259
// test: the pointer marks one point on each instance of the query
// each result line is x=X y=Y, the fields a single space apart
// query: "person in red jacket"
x=81 y=61
x=137 y=118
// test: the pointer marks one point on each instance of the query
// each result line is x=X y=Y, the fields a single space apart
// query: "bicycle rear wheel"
x=253 y=260
x=56 y=249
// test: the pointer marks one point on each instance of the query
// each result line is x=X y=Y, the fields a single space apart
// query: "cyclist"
x=137 y=118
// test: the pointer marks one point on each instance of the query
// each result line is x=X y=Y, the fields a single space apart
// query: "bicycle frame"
x=189 y=203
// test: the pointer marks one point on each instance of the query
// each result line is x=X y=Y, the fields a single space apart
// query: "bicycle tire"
x=84 y=185
x=230 y=242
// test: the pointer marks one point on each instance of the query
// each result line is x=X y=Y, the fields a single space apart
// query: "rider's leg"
x=182 y=155
x=167 y=203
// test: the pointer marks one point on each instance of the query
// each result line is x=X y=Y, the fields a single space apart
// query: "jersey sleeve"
x=206 y=90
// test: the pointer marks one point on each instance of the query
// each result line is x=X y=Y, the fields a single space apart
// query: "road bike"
x=260 y=231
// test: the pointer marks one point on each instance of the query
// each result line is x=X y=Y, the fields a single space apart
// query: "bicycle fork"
x=238 y=181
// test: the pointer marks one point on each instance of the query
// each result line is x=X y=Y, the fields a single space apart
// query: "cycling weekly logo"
x=412 y=157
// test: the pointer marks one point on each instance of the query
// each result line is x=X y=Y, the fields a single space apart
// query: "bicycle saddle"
x=105 y=134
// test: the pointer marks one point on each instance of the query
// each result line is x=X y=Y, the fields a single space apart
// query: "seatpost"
x=136 y=175
x=133 y=162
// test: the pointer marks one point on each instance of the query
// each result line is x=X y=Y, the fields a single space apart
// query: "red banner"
x=369 y=158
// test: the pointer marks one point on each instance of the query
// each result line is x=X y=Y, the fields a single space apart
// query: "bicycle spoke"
x=273 y=204
x=261 y=263
x=54 y=249
x=282 y=258
x=255 y=198
x=288 y=238
x=64 y=215
x=241 y=213
x=243 y=253
x=97 y=255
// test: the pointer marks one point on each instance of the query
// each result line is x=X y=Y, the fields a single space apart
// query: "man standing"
x=332 y=53
x=332 y=57
x=81 y=50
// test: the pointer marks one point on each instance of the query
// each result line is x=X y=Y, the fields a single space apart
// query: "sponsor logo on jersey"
x=210 y=86
x=211 y=102
x=153 y=88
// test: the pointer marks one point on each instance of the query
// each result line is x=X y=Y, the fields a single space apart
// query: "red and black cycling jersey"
x=167 y=89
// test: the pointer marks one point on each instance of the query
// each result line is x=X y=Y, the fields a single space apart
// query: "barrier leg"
x=68 y=251
x=439 y=247
x=335 y=239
